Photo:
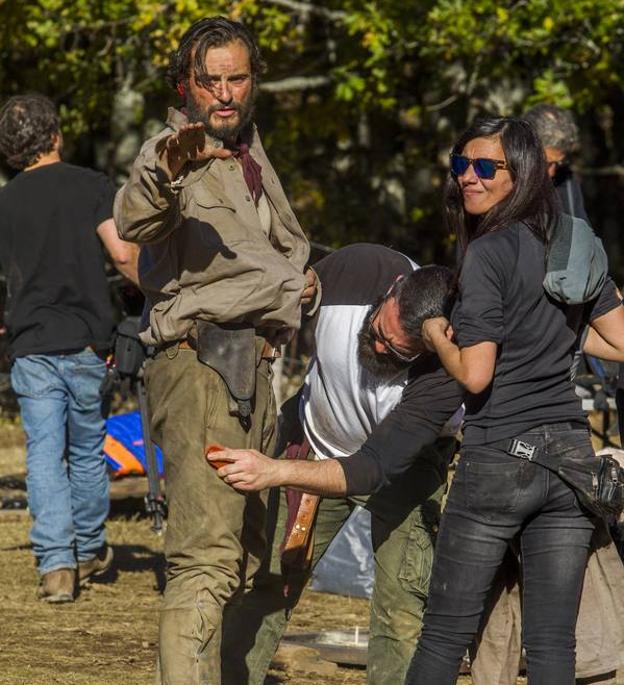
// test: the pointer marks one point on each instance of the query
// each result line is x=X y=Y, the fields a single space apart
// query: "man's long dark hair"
x=532 y=199
x=212 y=32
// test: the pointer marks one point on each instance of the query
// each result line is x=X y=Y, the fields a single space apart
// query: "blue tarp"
x=126 y=429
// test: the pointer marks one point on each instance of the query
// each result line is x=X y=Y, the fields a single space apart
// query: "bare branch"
x=295 y=83
x=441 y=105
x=614 y=170
x=308 y=8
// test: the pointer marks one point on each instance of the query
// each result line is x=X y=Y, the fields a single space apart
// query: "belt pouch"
x=599 y=481
x=231 y=352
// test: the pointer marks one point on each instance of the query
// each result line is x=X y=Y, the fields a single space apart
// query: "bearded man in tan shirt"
x=222 y=262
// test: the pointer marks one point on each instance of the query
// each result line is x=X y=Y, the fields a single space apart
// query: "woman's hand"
x=433 y=329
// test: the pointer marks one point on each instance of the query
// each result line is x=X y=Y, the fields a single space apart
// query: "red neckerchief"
x=252 y=171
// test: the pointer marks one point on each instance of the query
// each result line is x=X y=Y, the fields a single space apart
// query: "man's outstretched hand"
x=189 y=144
x=246 y=470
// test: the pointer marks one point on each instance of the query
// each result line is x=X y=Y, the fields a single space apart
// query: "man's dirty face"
x=223 y=97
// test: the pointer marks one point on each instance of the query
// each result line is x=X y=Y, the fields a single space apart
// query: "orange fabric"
x=216 y=463
x=128 y=463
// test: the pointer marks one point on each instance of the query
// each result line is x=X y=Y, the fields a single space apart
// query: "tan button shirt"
x=205 y=252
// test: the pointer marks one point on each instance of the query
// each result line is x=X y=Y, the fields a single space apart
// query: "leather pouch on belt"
x=598 y=481
x=231 y=352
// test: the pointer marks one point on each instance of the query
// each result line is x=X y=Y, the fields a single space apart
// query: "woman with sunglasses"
x=511 y=347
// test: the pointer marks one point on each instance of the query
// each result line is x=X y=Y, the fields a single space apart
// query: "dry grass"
x=108 y=636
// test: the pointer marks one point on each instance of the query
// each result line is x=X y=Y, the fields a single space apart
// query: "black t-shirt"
x=57 y=293
x=502 y=300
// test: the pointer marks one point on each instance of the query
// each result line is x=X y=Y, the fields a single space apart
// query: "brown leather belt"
x=268 y=351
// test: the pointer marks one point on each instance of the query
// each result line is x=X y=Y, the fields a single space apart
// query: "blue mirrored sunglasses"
x=483 y=167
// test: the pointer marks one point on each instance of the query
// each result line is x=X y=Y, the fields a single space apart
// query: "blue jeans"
x=64 y=422
x=495 y=496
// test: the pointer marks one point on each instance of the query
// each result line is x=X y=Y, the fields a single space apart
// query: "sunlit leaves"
x=401 y=78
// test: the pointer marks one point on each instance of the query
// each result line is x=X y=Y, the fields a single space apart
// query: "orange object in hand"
x=216 y=464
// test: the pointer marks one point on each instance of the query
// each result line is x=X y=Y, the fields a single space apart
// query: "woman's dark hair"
x=532 y=198
x=212 y=32
x=28 y=125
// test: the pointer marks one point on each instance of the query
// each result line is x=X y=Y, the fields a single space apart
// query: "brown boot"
x=97 y=566
x=58 y=586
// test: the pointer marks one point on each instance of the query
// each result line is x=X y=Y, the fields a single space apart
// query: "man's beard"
x=381 y=367
x=226 y=131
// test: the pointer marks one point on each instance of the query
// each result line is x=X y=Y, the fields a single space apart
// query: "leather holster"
x=230 y=349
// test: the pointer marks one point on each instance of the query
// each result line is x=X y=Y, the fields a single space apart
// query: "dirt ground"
x=108 y=636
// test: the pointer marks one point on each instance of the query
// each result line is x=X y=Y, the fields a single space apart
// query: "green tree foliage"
x=361 y=100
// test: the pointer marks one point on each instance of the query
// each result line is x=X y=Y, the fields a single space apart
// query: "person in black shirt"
x=55 y=219
x=511 y=346
x=495 y=657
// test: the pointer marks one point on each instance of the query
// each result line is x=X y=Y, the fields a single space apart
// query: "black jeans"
x=495 y=496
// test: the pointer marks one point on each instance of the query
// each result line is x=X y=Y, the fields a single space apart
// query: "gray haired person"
x=559 y=134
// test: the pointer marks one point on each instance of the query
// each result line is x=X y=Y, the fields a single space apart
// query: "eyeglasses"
x=379 y=336
x=483 y=167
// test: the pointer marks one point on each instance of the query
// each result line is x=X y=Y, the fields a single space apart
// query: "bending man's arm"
x=250 y=470
x=428 y=401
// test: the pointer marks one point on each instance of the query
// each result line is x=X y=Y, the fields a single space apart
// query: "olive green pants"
x=215 y=536
x=404 y=520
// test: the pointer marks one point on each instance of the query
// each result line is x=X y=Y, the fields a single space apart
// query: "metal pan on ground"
x=343 y=647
